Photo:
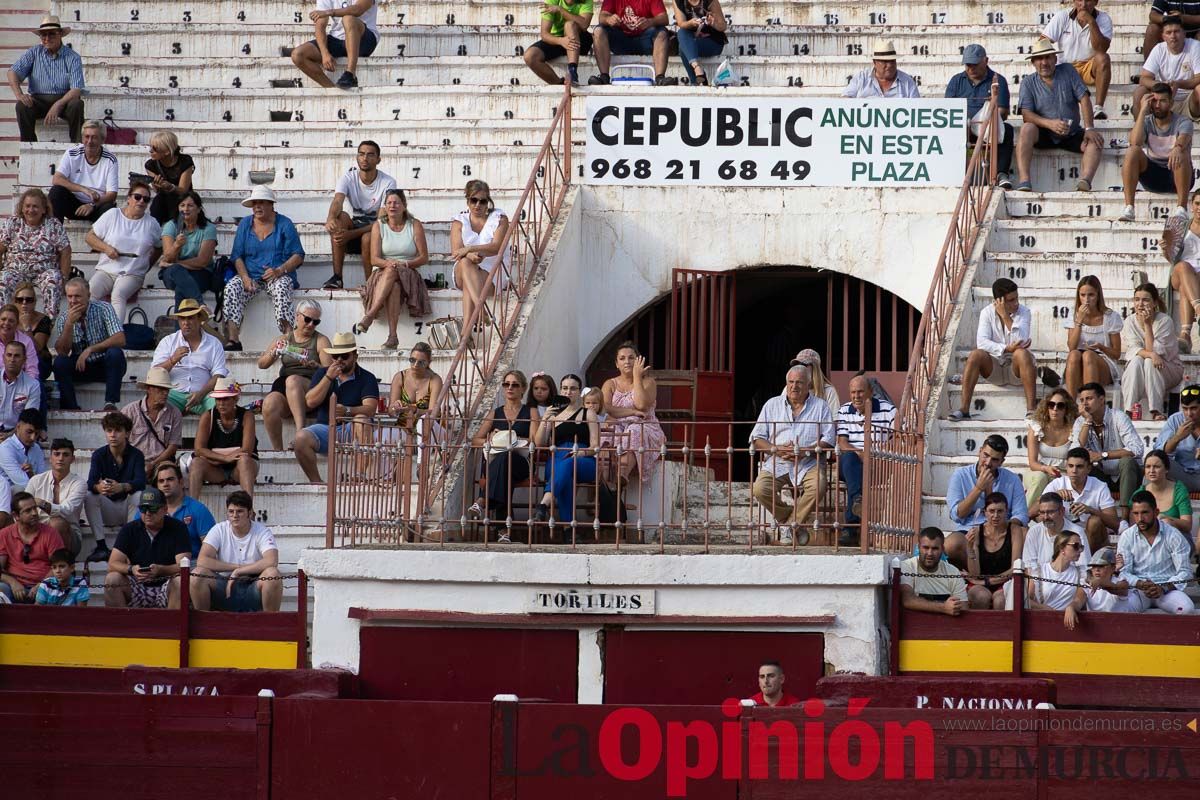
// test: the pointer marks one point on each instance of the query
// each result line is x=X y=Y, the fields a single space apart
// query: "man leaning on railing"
x=790 y=429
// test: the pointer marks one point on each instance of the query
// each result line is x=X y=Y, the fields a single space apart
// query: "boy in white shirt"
x=1174 y=61
x=1091 y=509
x=364 y=186
x=1104 y=591
x=1001 y=351
x=238 y=567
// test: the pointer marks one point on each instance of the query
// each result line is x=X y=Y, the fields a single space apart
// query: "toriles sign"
x=565 y=600
x=774 y=141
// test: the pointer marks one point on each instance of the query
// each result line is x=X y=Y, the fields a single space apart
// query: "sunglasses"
x=140 y=198
x=26 y=551
x=1187 y=393
x=1073 y=546
x=1056 y=405
x=24 y=299
x=418 y=362
x=341 y=356
x=511 y=385
x=477 y=201
x=314 y=321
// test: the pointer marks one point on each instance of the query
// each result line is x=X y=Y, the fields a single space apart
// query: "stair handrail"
x=965 y=225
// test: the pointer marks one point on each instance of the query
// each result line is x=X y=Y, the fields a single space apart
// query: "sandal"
x=391 y=344
x=362 y=326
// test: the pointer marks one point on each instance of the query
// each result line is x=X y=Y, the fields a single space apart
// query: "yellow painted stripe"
x=241 y=654
x=955 y=655
x=23 y=649
x=1100 y=658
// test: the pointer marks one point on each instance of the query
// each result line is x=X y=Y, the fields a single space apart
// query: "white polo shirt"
x=198 y=366
x=1074 y=41
x=1095 y=494
x=335 y=27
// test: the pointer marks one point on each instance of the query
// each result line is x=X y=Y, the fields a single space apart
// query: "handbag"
x=444 y=333
x=138 y=335
x=115 y=134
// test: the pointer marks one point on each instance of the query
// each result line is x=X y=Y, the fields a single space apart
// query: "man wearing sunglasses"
x=84 y=185
x=1180 y=439
x=357 y=393
x=55 y=75
x=25 y=550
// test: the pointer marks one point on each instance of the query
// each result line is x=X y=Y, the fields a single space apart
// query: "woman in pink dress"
x=629 y=402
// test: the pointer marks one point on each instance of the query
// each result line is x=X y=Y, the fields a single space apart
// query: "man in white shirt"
x=1155 y=559
x=1174 y=61
x=882 y=78
x=1084 y=34
x=193 y=357
x=1090 y=508
x=21 y=456
x=1113 y=444
x=1160 y=151
x=85 y=183
x=1039 y=541
x=343 y=29
x=791 y=428
x=18 y=391
x=238 y=568
x=1001 y=353
x=1104 y=591
x=365 y=187
x=60 y=494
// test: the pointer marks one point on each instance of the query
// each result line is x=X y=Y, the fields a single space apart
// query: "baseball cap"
x=973 y=54
x=151 y=500
x=1103 y=557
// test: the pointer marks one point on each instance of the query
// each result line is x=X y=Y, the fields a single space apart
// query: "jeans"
x=187 y=283
x=564 y=471
x=693 y=49
x=110 y=369
x=850 y=471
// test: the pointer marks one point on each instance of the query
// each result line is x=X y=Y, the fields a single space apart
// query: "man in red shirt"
x=25 y=549
x=631 y=28
x=770 y=681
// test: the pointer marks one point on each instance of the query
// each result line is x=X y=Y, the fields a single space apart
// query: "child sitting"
x=62 y=588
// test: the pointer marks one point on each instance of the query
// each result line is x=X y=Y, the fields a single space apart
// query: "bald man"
x=851 y=421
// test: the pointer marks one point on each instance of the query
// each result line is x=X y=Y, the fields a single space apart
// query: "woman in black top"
x=576 y=434
x=226 y=445
x=701 y=34
x=990 y=549
x=170 y=174
x=508 y=466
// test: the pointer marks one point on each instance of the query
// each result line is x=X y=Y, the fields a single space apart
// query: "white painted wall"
x=620 y=245
x=724 y=587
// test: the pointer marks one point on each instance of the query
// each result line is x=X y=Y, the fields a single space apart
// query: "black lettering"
x=634 y=126
x=662 y=120
x=598 y=126
x=635 y=601
x=729 y=133
x=789 y=127
x=754 y=139
x=557 y=763
x=685 y=129
x=952 y=766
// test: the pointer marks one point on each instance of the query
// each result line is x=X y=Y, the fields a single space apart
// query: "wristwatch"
x=1104 y=456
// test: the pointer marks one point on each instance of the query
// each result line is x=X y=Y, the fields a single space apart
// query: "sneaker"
x=1180 y=212
x=958 y=415
x=856 y=508
x=1024 y=186
x=1004 y=181
x=956 y=379
x=1127 y=215
x=504 y=538
x=1099 y=113
x=601 y=79
x=541 y=513
x=334 y=282
x=475 y=511
x=663 y=80
x=785 y=534
x=347 y=81
x=101 y=553
x=1083 y=185
x=110 y=407
x=233 y=346
x=1029 y=414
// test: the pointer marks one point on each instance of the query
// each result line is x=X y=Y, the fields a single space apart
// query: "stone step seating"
x=506 y=12
x=956 y=438
x=310 y=168
x=220 y=40
x=1049 y=326
x=1105 y=234
x=1062 y=271
x=814 y=72
x=1066 y=207
x=275 y=466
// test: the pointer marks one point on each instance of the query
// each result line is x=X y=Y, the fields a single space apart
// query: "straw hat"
x=188 y=307
x=1042 y=47
x=259 y=193
x=342 y=343
x=884 y=50
x=50 y=23
x=226 y=387
x=156 y=376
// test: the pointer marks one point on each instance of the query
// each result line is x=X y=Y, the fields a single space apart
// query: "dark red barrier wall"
x=126 y=746
x=705 y=667
x=468 y=664
x=341 y=749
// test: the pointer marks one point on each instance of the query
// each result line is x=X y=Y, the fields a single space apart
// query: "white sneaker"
x=1127 y=215
x=1180 y=212
x=1099 y=113
x=785 y=534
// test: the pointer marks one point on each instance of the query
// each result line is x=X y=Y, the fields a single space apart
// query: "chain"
x=980 y=578
x=84 y=581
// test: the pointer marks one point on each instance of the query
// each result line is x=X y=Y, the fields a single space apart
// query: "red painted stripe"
x=103 y=622
x=1047 y=626
x=973 y=626
x=263 y=626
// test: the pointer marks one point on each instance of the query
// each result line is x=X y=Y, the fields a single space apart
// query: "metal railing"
x=684 y=493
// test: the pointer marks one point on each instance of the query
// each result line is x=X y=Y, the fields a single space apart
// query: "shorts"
x=279 y=385
x=1046 y=141
x=1084 y=68
x=1157 y=177
x=245 y=595
x=357 y=223
x=148 y=595
x=621 y=43
x=337 y=47
x=1002 y=373
x=321 y=431
x=553 y=51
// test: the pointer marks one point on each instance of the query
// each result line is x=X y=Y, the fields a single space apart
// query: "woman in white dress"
x=1049 y=440
x=1094 y=341
x=1066 y=594
x=1153 y=354
x=475 y=238
x=1185 y=278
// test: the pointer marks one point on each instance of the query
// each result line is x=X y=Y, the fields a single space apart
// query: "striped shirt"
x=850 y=422
x=1166 y=561
x=98 y=324
x=51 y=593
x=50 y=74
